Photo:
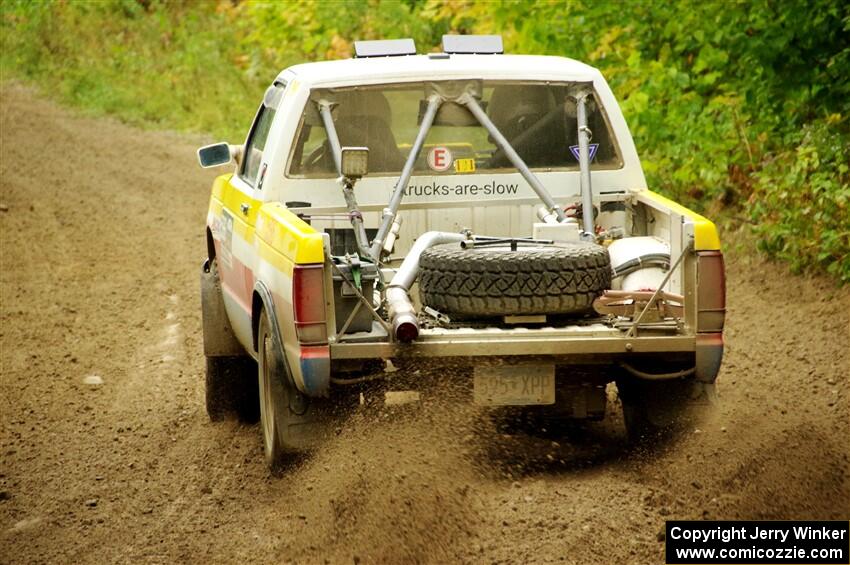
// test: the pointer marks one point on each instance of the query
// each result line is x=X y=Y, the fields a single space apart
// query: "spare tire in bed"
x=495 y=281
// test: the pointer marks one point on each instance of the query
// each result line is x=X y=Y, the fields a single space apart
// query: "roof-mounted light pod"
x=473 y=44
x=384 y=48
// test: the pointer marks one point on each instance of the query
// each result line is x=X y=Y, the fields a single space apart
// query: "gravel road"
x=107 y=455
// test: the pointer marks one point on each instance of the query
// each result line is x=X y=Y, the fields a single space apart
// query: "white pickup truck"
x=468 y=210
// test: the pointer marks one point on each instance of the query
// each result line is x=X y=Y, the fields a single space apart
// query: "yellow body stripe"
x=284 y=238
x=275 y=258
x=705 y=232
x=232 y=198
x=289 y=234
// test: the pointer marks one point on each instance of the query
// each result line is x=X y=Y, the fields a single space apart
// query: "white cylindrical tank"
x=630 y=250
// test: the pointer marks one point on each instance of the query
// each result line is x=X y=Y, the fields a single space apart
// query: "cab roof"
x=438 y=66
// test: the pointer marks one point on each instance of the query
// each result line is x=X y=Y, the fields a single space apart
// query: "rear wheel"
x=290 y=421
x=231 y=389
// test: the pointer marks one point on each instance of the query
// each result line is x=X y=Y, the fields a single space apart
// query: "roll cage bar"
x=468 y=95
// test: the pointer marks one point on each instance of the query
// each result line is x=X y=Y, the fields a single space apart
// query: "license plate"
x=514 y=385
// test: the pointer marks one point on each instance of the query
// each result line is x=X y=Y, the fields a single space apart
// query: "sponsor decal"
x=440 y=159
x=262 y=176
x=591 y=151
x=491 y=188
x=465 y=165
x=226 y=228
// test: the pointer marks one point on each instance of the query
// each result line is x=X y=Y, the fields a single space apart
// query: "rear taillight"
x=308 y=300
x=711 y=291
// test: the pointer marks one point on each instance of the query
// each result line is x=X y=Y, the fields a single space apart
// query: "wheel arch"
x=309 y=370
x=262 y=303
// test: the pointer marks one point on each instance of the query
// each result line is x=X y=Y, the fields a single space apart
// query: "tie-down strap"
x=630 y=303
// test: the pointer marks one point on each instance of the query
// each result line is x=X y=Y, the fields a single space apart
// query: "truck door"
x=243 y=198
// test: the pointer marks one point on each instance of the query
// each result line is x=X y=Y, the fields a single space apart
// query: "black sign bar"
x=695 y=542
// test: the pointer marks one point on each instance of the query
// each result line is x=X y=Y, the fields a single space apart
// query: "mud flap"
x=709 y=354
x=703 y=396
x=219 y=339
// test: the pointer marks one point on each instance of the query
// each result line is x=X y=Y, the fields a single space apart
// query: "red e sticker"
x=440 y=159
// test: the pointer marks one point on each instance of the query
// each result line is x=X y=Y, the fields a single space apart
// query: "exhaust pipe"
x=405 y=323
x=402 y=314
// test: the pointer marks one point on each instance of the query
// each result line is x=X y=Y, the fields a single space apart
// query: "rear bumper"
x=593 y=340
x=656 y=350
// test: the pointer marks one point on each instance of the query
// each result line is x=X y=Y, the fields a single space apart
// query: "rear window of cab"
x=538 y=119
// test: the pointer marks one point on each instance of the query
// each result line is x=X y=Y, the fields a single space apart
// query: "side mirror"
x=218 y=154
x=354 y=162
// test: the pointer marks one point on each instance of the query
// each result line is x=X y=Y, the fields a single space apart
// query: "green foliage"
x=167 y=65
x=732 y=106
x=801 y=202
x=738 y=109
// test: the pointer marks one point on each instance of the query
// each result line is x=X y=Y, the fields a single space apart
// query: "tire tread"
x=495 y=281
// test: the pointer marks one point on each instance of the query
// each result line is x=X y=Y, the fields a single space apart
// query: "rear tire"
x=655 y=410
x=231 y=389
x=290 y=422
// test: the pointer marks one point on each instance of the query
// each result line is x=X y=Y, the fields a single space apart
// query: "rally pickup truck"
x=465 y=217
